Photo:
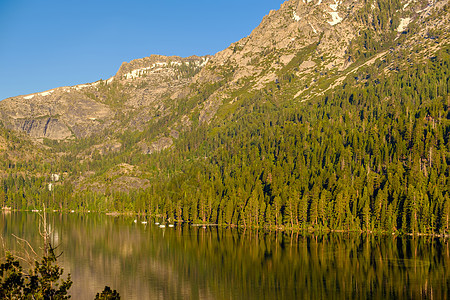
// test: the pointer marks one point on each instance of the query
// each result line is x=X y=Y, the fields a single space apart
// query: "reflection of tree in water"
x=217 y=263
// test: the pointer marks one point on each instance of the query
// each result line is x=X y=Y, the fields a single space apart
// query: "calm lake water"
x=147 y=262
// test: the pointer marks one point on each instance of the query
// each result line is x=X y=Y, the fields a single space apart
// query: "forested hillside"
x=363 y=145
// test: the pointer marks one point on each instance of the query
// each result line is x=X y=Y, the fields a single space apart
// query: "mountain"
x=329 y=115
x=306 y=40
x=142 y=85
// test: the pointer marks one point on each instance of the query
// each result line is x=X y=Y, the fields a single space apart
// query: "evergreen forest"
x=370 y=154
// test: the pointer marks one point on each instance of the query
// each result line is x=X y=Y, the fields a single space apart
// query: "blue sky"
x=47 y=43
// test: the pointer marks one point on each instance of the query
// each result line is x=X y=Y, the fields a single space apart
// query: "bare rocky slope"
x=80 y=111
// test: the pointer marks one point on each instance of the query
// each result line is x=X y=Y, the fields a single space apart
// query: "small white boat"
x=156 y=223
x=171 y=225
x=144 y=222
x=162 y=226
x=135 y=221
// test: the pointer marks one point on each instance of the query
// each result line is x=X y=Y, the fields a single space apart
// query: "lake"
x=143 y=261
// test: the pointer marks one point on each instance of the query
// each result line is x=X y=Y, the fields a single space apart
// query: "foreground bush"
x=43 y=281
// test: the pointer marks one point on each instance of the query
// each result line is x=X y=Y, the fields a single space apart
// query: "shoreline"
x=271 y=228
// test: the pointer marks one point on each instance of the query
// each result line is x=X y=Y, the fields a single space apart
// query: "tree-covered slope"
x=328 y=116
x=372 y=154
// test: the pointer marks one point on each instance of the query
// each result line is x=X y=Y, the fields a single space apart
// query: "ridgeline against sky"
x=47 y=44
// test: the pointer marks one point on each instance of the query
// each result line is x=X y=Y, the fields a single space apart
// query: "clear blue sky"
x=50 y=43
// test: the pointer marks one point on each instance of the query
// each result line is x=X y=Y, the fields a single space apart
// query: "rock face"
x=150 y=79
x=44 y=127
x=157 y=146
x=57 y=114
x=285 y=32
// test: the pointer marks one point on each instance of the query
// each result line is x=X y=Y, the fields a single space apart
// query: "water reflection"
x=184 y=262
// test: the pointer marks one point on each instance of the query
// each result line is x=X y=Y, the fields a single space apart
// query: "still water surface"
x=147 y=262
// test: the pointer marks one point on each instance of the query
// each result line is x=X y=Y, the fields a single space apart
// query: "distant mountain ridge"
x=85 y=109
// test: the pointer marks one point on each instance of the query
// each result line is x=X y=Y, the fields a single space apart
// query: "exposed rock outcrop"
x=60 y=114
x=157 y=146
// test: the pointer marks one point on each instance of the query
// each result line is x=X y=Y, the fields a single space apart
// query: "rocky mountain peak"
x=322 y=36
x=81 y=110
x=145 y=65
